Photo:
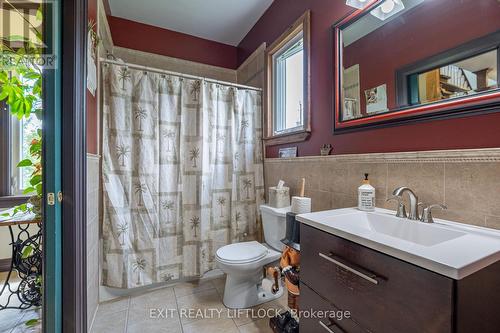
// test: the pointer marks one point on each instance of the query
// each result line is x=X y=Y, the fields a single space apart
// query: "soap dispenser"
x=366 y=196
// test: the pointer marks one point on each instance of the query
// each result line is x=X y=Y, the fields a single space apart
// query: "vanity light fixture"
x=359 y=4
x=387 y=9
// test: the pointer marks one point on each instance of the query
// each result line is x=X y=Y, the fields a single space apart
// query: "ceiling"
x=225 y=21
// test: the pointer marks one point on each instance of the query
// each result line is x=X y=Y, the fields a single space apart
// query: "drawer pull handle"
x=365 y=276
x=328 y=329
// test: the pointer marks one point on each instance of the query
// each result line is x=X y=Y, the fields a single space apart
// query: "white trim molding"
x=433 y=156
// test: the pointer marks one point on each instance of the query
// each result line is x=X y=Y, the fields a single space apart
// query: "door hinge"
x=59 y=196
x=51 y=199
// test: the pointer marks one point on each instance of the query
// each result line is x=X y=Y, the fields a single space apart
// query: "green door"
x=52 y=307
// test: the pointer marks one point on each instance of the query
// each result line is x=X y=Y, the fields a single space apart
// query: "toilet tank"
x=274 y=224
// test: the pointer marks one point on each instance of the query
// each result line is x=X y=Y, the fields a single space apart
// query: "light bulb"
x=387 y=6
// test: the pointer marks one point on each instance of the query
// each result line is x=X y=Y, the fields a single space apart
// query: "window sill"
x=287 y=138
x=14 y=200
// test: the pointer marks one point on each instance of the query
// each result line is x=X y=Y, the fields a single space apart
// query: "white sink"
x=411 y=231
x=448 y=248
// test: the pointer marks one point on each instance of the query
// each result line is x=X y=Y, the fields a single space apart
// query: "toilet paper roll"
x=301 y=205
x=267 y=285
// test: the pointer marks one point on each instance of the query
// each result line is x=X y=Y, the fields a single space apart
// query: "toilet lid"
x=242 y=252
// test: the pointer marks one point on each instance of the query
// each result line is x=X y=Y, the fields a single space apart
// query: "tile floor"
x=13 y=321
x=132 y=314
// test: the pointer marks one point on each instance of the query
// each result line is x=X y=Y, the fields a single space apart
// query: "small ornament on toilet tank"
x=366 y=196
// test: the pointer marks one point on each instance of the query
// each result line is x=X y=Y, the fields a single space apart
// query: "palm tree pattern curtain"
x=182 y=174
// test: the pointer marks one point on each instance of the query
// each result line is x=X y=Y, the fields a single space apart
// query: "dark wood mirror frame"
x=480 y=103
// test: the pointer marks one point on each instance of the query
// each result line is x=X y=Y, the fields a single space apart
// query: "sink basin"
x=449 y=248
x=411 y=231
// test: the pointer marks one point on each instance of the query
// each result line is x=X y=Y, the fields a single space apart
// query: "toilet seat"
x=242 y=253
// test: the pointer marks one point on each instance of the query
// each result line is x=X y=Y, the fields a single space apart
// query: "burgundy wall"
x=147 y=38
x=436 y=34
x=91 y=100
x=468 y=132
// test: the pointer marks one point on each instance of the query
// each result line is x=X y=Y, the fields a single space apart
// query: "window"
x=15 y=137
x=22 y=133
x=289 y=86
x=287 y=93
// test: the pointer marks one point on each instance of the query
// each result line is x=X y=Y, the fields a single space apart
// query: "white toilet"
x=243 y=262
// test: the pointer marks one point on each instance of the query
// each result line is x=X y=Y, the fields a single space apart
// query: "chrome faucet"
x=401 y=211
x=413 y=215
x=427 y=213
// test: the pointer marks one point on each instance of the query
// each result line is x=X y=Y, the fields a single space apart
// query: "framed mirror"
x=405 y=60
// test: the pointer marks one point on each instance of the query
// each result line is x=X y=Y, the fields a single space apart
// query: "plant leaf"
x=25 y=163
x=4 y=94
x=29 y=190
x=28 y=251
x=32 y=322
x=39 y=14
x=35 y=180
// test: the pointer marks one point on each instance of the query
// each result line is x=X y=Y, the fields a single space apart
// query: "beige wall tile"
x=174 y=64
x=492 y=222
x=470 y=189
x=320 y=200
x=92 y=237
x=256 y=81
x=426 y=179
x=342 y=200
x=334 y=178
x=471 y=186
x=251 y=72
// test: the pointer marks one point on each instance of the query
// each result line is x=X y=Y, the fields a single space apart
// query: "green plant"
x=21 y=89
x=94 y=36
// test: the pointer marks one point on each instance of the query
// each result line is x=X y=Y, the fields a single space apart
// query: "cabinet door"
x=383 y=293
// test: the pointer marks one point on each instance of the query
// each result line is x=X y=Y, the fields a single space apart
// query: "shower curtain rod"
x=161 y=71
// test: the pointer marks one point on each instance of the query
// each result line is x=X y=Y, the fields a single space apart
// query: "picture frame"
x=288 y=152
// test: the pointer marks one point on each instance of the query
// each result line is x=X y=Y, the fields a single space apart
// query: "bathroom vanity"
x=396 y=275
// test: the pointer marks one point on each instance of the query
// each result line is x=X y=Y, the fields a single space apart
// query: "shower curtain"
x=182 y=174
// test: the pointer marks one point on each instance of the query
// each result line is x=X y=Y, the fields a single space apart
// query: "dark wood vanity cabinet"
x=383 y=294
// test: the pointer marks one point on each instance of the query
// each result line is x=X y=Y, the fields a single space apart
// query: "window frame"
x=300 y=133
x=7 y=199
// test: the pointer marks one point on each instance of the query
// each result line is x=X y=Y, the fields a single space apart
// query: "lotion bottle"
x=366 y=196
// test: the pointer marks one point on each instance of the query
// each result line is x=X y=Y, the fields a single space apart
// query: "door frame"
x=74 y=165
x=65 y=306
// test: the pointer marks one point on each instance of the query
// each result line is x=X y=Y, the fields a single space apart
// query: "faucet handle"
x=401 y=211
x=427 y=213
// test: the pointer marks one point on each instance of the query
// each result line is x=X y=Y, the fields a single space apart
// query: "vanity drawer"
x=313 y=303
x=383 y=293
